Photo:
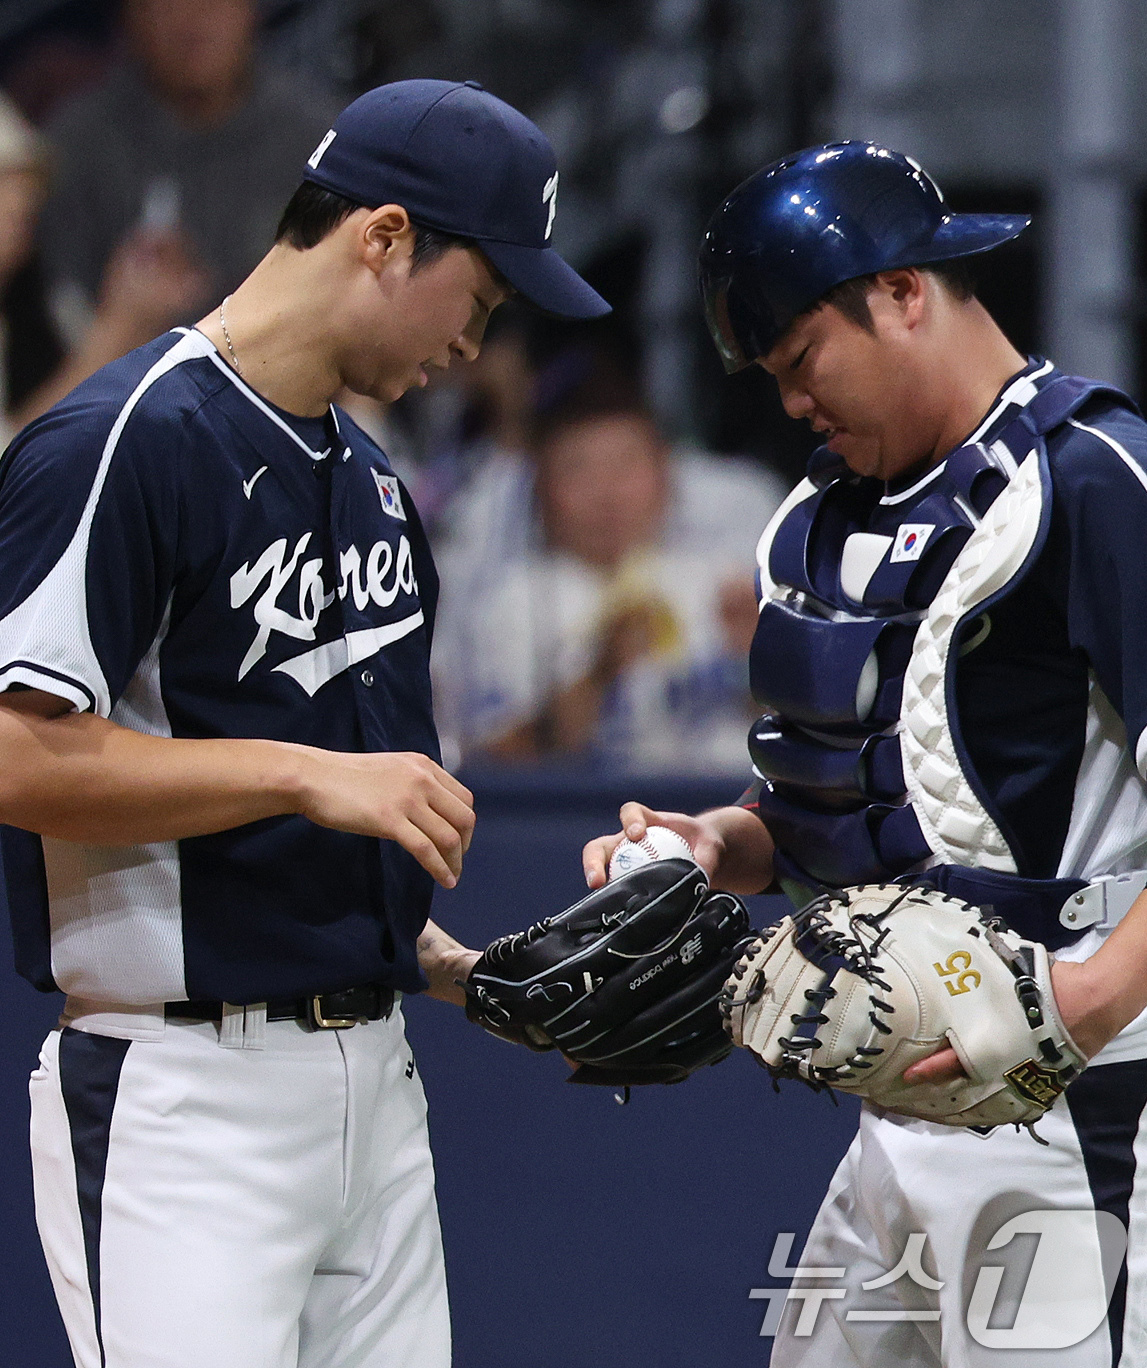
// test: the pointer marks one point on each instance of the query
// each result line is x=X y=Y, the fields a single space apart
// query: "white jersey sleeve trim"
x=1124 y=455
x=46 y=640
x=68 y=689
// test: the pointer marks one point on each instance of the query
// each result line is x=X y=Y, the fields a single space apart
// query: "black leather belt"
x=322 y=1012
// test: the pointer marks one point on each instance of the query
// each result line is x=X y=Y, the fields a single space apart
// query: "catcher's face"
x=861 y=387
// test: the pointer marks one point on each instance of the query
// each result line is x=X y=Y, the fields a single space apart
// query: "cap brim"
x=965 y=234
x=546 y=280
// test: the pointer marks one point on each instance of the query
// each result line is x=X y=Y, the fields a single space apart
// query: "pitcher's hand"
x=399 y=796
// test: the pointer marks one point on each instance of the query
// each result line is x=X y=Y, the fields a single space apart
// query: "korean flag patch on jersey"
x=910 y=541
x=389 y=495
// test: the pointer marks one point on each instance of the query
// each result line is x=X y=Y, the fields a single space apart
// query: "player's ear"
x=385 y=238
x=905 y=289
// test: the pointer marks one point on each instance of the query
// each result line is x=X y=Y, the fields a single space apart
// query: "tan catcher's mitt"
x=861 y=984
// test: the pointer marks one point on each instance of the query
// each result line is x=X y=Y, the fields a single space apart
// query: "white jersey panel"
x=1108 y=831
x=116 y=911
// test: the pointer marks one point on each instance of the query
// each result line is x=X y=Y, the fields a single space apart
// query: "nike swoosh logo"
x=249 y=485
x=314 y=668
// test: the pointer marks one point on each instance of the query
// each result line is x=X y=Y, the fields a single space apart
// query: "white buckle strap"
x=1104 y=902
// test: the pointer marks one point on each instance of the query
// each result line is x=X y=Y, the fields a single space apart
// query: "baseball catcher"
x=625 y=983
x=859 y=985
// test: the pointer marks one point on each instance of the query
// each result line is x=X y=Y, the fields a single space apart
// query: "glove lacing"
x=504 y=946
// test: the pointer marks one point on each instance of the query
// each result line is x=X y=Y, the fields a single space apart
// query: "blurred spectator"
x=29 y=350
x=55 y=55
x=149 y=282
x=608 y=615
x=190 y=140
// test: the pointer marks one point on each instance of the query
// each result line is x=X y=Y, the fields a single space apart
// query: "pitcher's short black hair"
x=313 y=212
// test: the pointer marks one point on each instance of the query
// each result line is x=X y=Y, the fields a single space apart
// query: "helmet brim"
x=966 y=234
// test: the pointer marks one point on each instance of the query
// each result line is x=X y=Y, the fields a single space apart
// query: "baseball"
x=658 y=843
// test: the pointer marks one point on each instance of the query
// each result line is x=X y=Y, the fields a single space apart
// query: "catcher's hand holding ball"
x=862 y=985
x=697 y=840
x=658 y=843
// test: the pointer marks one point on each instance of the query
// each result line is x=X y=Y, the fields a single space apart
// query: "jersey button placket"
x=367 y=678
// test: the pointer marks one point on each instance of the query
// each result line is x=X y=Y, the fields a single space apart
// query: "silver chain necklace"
x=227 y=336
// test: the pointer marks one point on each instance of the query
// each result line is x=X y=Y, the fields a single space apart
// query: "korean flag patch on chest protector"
x=389 y=495
x=910 y=541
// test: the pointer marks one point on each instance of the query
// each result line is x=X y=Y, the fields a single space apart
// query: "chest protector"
x=866 y=602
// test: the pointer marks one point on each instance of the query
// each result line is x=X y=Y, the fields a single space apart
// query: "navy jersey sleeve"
x=1099 y=472
x=89 y=519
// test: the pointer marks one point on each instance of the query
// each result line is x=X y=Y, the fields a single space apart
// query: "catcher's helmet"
x=791 y=232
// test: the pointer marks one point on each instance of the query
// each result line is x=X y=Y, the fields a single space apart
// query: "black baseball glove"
x=625 y=983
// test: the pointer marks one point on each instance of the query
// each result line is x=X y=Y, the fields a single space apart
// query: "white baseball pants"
x=1020 y=1287
x=246 y=1208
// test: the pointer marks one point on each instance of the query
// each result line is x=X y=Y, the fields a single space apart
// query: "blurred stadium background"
x=594 y=492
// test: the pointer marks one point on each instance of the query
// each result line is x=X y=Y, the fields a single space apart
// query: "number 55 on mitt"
x=859 y=985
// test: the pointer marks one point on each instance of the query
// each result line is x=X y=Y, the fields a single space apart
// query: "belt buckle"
x=319 y=1022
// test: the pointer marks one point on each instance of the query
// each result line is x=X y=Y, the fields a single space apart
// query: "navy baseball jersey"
x=931 y=706
x=182 y=557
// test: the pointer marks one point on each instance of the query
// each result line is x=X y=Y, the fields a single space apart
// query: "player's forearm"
x=1105 y=993
x=745 y=863
x=445 y=962
x=82 y=778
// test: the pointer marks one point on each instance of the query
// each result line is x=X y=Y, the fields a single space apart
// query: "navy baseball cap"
x=460 y=160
